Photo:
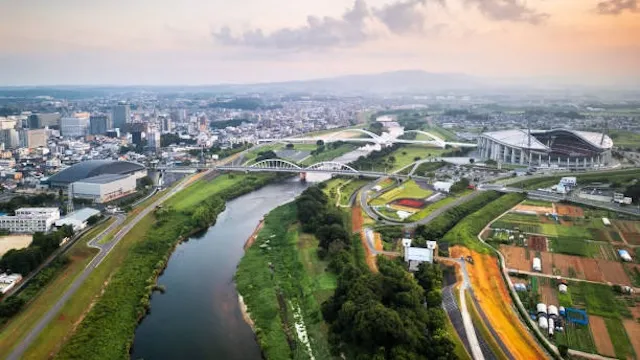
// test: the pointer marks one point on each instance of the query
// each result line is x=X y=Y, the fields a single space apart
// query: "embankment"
x=107 y=331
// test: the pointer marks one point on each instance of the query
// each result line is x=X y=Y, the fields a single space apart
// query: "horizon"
x=200 y=43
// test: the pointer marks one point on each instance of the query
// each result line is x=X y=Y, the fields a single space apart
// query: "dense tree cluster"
x=388 y=315
x=221 y=124
x=436 y=229
x=460 y=186
x=23 y=261
x=264 y=155
x=169 y=139
x=374 y=157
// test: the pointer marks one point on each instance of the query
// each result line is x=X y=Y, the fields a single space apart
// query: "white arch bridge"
x=383 y=139
x=327 y=167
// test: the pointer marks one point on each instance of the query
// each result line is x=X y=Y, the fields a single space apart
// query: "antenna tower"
x=605 y=132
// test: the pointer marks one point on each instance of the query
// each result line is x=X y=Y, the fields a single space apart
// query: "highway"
x=104 y=250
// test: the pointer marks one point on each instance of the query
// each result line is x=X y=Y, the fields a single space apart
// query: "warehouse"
x=91 y=168
x=78 y=219
x=104 y=188
x=30 y=220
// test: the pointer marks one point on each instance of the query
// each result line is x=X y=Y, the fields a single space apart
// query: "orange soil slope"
x=493 y=297
x=356 y=226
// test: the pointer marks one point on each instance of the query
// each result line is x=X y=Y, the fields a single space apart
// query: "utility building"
x=30 y=220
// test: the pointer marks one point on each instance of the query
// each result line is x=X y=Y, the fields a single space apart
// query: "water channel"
x=199 y=316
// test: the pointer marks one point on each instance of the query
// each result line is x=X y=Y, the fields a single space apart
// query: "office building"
x=10 y=138
x=30 y=220
x=153 y=139
x=33 y=138
x=121 y=116
x=104 y=188
x=39 y=121
x=76 y=126
x=99 y=124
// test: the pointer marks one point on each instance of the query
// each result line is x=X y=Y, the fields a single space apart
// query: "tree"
x=264 y=155
x=472 y=160
x=563 y=350
x=460 y=186
x=290 y=146
x=320 y=143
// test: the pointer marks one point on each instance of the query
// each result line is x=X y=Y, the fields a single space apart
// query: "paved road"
x=105 y=249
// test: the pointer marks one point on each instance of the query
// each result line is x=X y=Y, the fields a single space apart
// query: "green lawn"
x=347 y=190
x=431 y=208
x=407 y=154
x=625 y=138
x=408 y=189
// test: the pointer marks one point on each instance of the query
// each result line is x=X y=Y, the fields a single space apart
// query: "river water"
x=199 y=316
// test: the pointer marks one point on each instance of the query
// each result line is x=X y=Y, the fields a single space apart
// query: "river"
x=199 y=316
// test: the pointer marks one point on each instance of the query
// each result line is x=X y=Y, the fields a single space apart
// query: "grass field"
x=56 y=332
x=431 y=208
x=625 y=138
x=80 y=255
x=406 y=155
x=329 y=154
x=408 y=189
x=597 y=299
x=299 y=278
x=347 y=190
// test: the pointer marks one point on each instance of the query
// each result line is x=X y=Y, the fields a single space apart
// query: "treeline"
x=226 y=123
x=108 y=329
x=436 y=229
x=25 y=201
x=23 y=261
x=375 y=316
x=12 y=305
x=374 y=156
x=466 y=231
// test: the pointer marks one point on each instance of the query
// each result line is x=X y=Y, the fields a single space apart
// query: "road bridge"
x=384 y=139
x=327 y=167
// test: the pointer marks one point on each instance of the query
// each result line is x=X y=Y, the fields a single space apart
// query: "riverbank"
x=253 y=236
x=107 y=331
x=282 y=284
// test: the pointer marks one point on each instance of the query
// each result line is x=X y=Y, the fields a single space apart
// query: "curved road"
x=105 y=249
x=434 y=214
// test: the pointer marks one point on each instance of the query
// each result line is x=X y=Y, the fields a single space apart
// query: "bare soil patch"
x=537 y=243
x=14 y=242
x=568 y=210
x=537 y=209
x=632 y=238
x=601 y=336
x=633 y=332
x=613 y=272
x=592 y=270
x=569 y=266
x=515 y=258
x=547 y=262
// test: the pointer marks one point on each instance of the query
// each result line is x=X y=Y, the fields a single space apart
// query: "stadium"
x=93 y=168
x=557 y=148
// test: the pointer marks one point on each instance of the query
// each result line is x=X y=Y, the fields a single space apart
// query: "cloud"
x=509 y=10
x=356 y=26
x=616 y=7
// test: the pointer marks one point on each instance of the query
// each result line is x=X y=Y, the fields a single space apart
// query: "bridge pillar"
x=303 y=176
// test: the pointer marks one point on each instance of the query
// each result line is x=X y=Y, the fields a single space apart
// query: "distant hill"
x=388 y=82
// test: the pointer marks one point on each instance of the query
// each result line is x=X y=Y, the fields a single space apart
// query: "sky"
x=199 y=42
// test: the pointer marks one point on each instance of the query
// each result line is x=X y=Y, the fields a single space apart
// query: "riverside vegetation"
x=370 y=316
x=107 y=330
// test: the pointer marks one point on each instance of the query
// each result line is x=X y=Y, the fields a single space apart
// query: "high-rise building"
x=166 y=125
x=121 y=115
x=99 y=124
x=10 y=139
x=153 y=139
x=39 y=121
x=75 y=126
x=33 y=138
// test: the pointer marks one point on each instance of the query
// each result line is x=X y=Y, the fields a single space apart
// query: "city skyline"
x=199 y=42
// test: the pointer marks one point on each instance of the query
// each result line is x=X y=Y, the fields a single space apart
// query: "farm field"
x=601 y=335
x=569 y=266
x=633 y=332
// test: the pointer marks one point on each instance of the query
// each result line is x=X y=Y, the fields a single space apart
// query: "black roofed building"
x=92 y=168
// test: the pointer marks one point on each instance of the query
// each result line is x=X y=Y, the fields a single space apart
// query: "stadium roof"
x=519 y=138
x=516 y=138
x=103 y=179
x=91 y=168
